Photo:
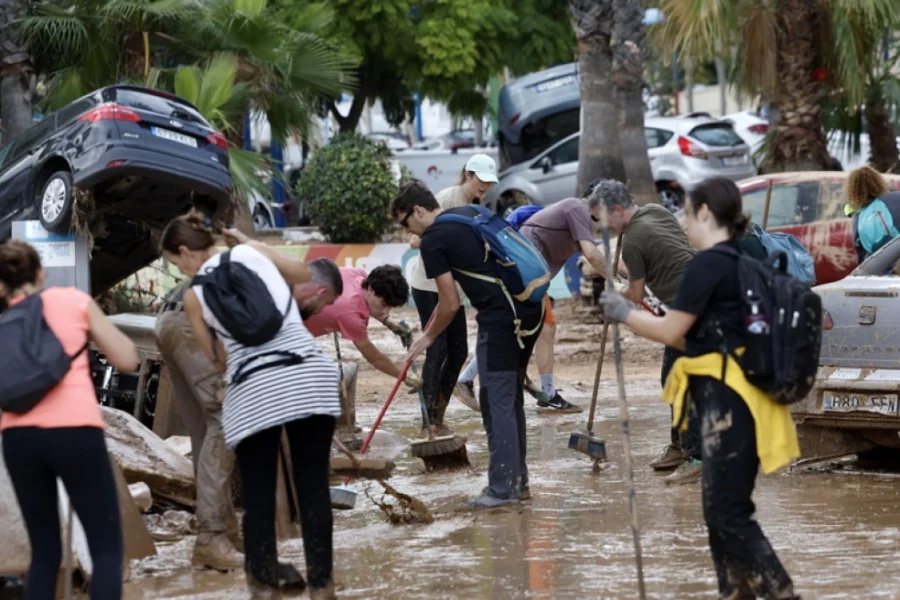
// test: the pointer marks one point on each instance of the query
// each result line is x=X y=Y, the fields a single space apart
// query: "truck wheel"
x=55 y=202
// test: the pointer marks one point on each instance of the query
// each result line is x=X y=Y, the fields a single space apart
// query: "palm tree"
x=628 y=77
x=17 y=75
x=786 y=48
x=598 y=151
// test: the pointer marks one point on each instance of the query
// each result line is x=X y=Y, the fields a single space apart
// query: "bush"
x=347 y=187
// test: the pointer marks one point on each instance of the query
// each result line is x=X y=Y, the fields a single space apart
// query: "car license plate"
x=885 y=404
x=734 y=161
x=175 y=137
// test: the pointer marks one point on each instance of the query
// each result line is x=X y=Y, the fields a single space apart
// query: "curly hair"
x=387 y=283
x=864 y=185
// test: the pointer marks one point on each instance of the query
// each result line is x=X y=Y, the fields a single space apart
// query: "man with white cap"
x=446 y=357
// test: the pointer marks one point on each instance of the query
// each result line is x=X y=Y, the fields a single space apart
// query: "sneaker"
x=672 y=456
x=465 y=392
x=690 y=471
x=557 y=404
x=487 y=501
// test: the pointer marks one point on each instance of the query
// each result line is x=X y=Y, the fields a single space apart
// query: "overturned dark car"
x=117 y=165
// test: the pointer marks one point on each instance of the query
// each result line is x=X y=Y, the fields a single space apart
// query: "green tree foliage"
x=348 y=187
x=444 y=49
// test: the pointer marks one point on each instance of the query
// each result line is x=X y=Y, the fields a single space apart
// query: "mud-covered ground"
x=838 y=534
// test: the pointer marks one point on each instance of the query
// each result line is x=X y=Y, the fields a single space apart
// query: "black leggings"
x=35 y=458
x=444 y=359
x=257 y=455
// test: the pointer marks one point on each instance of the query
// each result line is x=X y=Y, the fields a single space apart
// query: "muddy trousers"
x=501 y=371
x=35 y=457
x=257 y=455
x=444 y=359
x=688 y=440
x=745 y=562
x=198 y=393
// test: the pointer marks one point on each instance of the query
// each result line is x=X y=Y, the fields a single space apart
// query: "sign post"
x=64 y=256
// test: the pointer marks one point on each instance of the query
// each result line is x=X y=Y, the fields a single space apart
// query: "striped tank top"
x=274 y=396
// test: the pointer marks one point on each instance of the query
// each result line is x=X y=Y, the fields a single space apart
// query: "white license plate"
x=885 y=404
x=734 y=161
x=175 y=137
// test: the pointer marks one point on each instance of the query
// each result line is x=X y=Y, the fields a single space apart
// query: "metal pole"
x=765 y=219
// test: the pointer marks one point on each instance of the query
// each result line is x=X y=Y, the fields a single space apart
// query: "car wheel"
x=510 y=201
x=55 y=201
x=261 y=219
x=670 y=197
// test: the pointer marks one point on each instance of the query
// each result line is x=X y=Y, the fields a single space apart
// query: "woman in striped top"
x=301 y=399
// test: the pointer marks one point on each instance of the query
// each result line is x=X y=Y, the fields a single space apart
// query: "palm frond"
x=697 y=28
x=249 y=173
x=128 y=10
x=56 y=31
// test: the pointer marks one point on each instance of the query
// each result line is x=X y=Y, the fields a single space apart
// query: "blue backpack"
x=522 y=271
x=875 y=226
x=800 y=263
x=518 y=217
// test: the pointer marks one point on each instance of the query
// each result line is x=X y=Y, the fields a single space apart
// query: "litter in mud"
x=407 y=511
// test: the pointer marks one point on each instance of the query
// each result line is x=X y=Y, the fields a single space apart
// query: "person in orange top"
x=62 y=436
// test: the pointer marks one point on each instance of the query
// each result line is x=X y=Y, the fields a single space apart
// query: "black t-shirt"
x=449 y=246
x=710 y=289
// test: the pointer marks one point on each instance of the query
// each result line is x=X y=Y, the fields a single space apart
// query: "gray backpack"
x=32 y=358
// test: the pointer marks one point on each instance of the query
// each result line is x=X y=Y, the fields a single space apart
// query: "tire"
x=509 y=202
x=261 y=219
x=670 y=197
x=55 y=202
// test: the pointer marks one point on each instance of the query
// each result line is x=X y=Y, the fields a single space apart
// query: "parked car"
x=394 y=141
x=855 y=403
x=145 y=156
x=683 y=152
x=810 y=206
x=261 y=210
x=752 y=128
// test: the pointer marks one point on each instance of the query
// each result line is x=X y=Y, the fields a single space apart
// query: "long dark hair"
x=723 y=198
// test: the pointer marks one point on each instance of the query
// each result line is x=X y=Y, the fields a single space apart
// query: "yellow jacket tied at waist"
x=776 y=438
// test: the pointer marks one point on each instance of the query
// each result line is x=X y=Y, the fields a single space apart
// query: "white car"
x=752 y=128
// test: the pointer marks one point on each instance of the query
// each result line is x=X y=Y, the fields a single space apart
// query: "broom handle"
x=384 y=408
x=623 y=413
x=590 y=425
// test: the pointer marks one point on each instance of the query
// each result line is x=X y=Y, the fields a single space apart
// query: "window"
x=161 y=105
x=790 y=204
x=566 y=153
x=656 y=137
x=32 y=137
x=716 y=134
x=4 y=151
x=74 y=110
x=831 y=201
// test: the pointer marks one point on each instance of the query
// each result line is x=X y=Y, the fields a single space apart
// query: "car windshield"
x=168 y=107
x=4 y=150
x=716 y=134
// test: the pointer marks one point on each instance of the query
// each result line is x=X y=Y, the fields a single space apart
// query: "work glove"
x=402 y=330
x=615 y=306
x=413 y=382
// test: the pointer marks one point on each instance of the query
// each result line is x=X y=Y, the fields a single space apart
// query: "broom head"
x=366 y=468
x=588 y=443
x=342 y=498
x=445 y=452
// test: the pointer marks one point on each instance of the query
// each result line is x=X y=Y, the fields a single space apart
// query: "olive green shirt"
x=656 y=249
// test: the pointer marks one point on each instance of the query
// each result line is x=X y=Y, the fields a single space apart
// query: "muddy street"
x=836 y=533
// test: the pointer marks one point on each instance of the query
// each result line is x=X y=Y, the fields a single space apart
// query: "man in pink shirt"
x=364 y=296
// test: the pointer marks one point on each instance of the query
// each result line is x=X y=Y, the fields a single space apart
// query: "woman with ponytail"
x=741 y=427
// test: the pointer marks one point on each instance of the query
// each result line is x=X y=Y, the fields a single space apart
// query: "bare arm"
x=117 y=347
x=377 y=359
x=213 y=349
x=635 y=291
x=293 y=270
x=446 y=309
x=594 y=257
x=669 y=330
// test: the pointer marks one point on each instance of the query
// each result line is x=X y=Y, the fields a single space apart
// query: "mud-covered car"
x=855 y=404
x=116 y=164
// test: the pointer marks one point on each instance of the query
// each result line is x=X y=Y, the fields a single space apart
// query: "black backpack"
x=783 y=362
x=241 y=302
x=32 y=359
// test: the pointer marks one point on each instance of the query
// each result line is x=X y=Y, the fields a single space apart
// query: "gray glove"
x=615 y=306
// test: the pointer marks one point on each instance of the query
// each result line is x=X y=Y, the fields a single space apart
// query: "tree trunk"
x=628 y=76
x=360 y=97
x=17 y=76
x=885 y=156
x=723 y=89
x=598 y=150
x=689 y=83
x=799 y=142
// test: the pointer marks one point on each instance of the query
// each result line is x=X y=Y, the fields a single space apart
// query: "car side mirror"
x=546 y=164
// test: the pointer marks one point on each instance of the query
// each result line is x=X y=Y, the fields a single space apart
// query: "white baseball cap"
x=484 y=168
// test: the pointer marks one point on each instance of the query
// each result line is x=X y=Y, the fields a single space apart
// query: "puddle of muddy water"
x=836 y=534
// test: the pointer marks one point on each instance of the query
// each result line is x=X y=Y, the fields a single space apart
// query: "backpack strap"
x=286 y=359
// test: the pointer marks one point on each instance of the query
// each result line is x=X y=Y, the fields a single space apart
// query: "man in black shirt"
x=447 y=249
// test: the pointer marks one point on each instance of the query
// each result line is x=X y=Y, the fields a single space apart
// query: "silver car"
x=855 y=404
x=683 y=152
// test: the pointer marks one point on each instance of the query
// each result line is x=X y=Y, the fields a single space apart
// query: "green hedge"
x=347 y=188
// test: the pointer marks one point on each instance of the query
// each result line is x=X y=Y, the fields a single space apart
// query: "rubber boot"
x=216 y=552
x=325 y=593
x=261 y=591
